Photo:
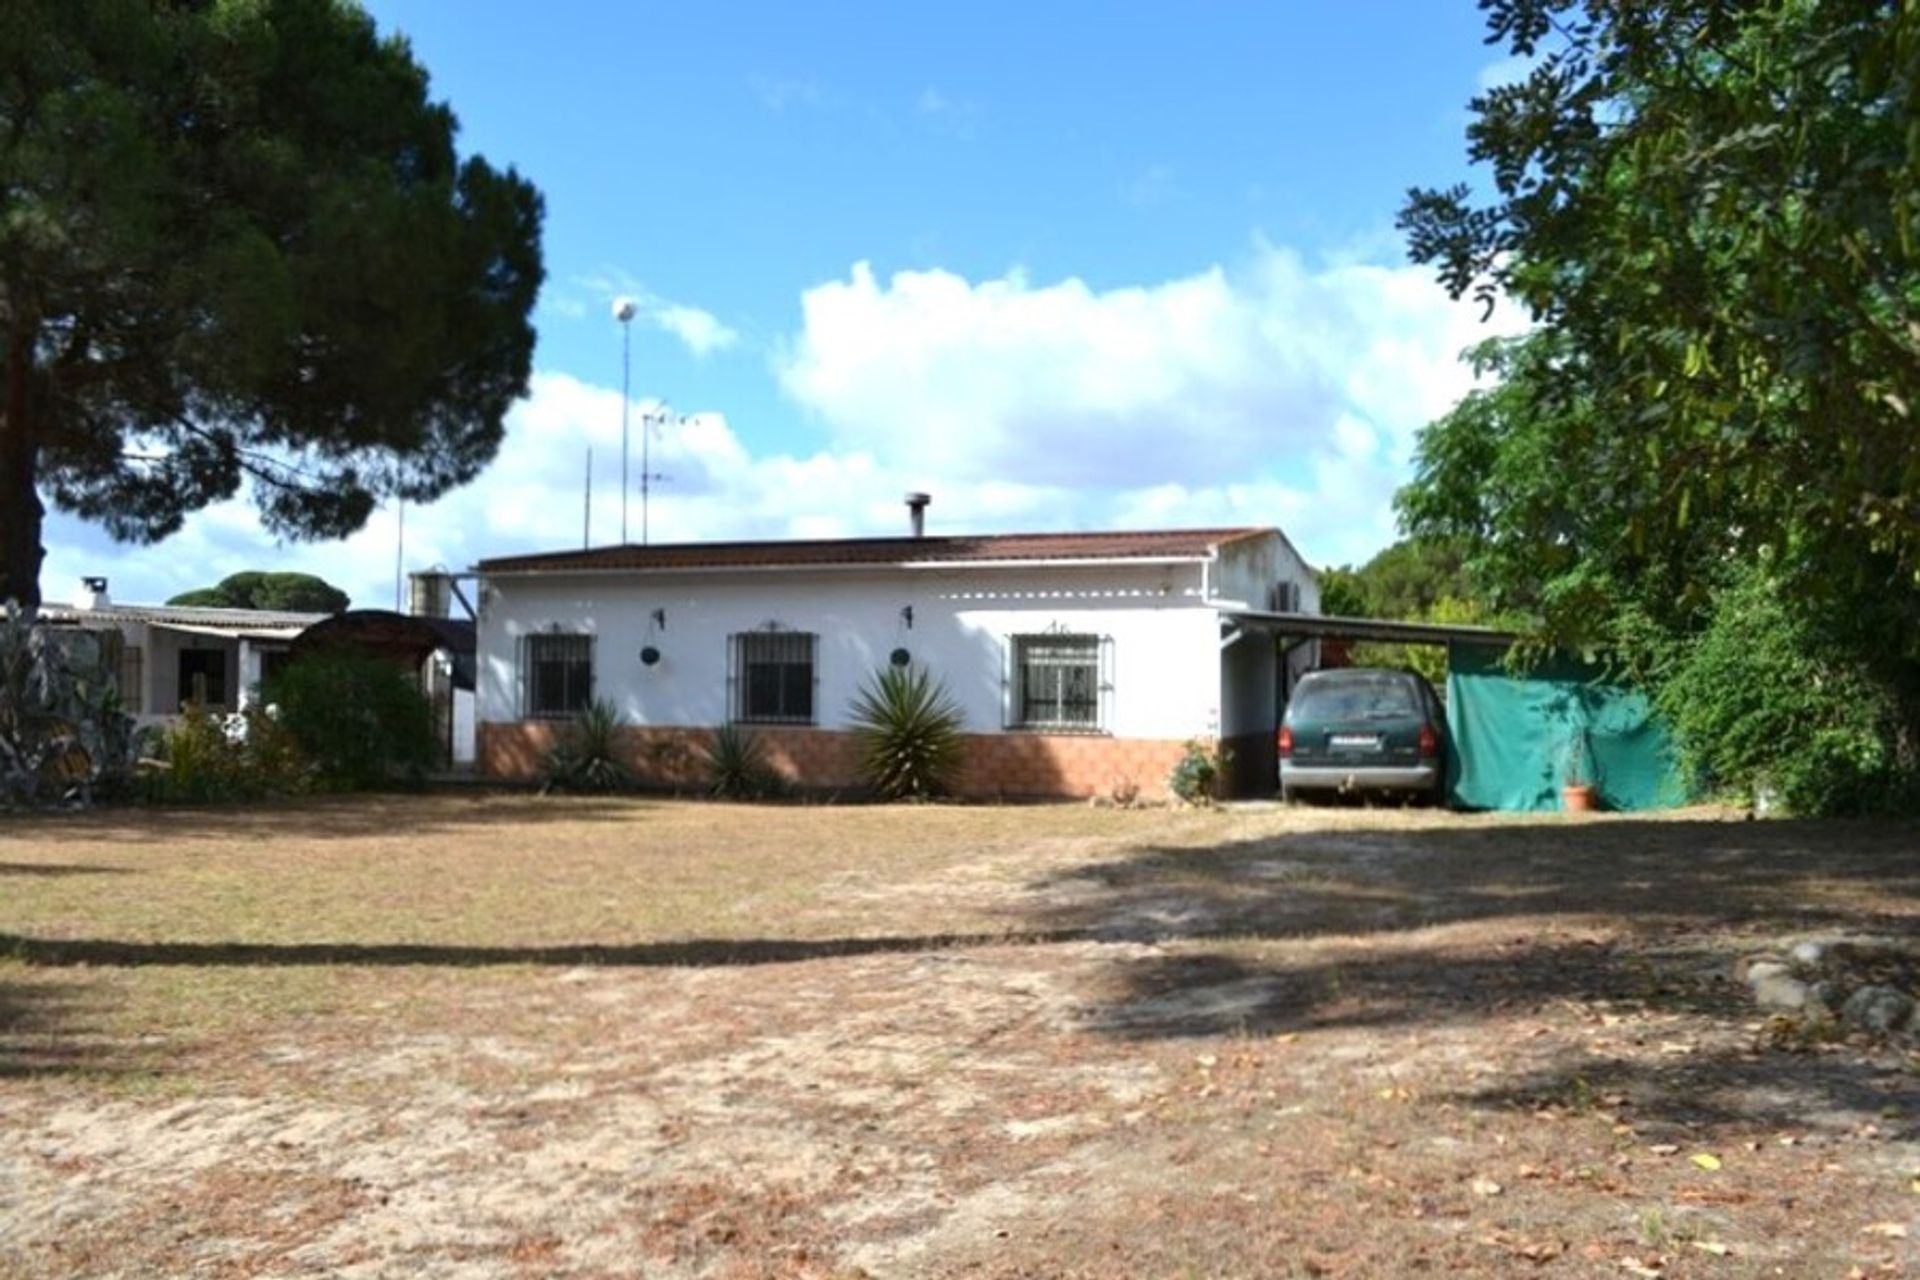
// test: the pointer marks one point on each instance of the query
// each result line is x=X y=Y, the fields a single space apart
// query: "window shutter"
x=524 y=649
x=1106 y=683
x=733 y=678
x=1008 y=652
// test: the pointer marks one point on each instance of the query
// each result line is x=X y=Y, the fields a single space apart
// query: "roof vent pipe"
x=917 y=511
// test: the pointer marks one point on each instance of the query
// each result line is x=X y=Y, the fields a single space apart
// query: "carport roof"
x=1318 y=626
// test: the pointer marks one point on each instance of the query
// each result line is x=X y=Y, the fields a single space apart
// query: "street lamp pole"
x=624 y=309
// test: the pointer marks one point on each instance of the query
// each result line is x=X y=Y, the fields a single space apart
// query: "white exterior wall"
x=1165 y=657
x=1249 y=669
x=1249 y=567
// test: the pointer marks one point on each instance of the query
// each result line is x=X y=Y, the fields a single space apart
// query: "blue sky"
x=1063 y=265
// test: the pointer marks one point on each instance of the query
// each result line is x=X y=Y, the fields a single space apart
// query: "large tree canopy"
x=1712 y=210
x=255 y=589
x=237 y=247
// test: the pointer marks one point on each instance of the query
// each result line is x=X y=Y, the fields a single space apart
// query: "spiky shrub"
x=63 y=735
x=737 y=766
x=908 y=728
x=586 y=759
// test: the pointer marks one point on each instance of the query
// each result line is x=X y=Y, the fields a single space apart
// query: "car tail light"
x=1429 y=741
x=1286 y=740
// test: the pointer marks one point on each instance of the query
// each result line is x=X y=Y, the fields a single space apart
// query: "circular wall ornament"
x=900 y=657
x=649 y=656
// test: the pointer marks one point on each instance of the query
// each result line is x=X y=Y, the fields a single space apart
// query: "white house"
x=1082 y=663
x=168 y=655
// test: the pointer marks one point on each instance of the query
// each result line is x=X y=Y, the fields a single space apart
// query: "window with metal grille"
x=772 y=676
x=556 y=674
x=131 y=680
x=1056 y=682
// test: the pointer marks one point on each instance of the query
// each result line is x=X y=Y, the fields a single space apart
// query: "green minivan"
x=1364 y=729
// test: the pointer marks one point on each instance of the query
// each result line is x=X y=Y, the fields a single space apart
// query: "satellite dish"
x=625 y=309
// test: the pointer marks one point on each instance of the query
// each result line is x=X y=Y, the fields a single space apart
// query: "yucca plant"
x=908 y=728
x=737 y=765
x=587 y=757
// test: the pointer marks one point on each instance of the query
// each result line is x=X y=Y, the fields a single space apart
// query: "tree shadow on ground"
x=1609 y=938
x=1635 y=876
x=44 y=1032
x=687 y=953
x=57 y=870
x=355 y=817
x=1194 y=993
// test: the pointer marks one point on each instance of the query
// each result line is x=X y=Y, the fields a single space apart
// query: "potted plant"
x=1577 y=792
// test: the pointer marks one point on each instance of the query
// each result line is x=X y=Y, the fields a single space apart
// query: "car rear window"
x=1356 y=697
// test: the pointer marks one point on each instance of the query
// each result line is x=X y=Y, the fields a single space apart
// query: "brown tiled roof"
x=1166 y=544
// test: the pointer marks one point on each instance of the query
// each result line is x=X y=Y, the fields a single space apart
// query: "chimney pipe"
x=917 y=510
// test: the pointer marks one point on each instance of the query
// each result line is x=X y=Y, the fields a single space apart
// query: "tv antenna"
x=659 y=416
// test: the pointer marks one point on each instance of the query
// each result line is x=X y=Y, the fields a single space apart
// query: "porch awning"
x=229 y=633
x=1319 y=626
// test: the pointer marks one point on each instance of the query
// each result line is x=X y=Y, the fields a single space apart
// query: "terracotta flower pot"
x=1579 y=798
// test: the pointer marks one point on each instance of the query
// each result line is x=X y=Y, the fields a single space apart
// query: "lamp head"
x=625 y=309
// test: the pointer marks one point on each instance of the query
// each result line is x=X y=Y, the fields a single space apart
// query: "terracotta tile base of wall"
x=996 y=764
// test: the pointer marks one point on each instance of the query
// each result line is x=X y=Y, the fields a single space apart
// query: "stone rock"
x=1853 y=950
x=1878 y=1009
x=1809 y=956
x=1779 y=991
x=1756 y=969
x=1826 y=997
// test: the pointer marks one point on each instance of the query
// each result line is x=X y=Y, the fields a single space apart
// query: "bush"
x=1196 y=777
x=908 y=729
x=737 y=766
x=202 y=758
x=1762 y=700
x=586 y=759
x=360 y=720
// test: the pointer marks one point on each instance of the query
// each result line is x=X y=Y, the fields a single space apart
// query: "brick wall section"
x=1013 y=765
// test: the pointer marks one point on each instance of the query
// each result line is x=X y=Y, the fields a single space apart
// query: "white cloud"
x=702 y=332
x=1270 y=392
x=699 y=330
x=1269 y=382
x=779 y=93
x=958 y=116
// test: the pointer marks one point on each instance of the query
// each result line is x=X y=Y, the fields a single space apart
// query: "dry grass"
x=504 y=1036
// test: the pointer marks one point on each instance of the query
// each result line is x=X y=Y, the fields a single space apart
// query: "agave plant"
x=587 y=757
x=62 y=731
x=737 y=764
x=908 y=728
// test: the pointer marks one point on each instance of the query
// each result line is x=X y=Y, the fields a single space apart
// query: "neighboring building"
x=169 y=655
x=1082 y=663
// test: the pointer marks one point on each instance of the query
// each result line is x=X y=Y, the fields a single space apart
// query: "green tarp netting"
x=1512 y=735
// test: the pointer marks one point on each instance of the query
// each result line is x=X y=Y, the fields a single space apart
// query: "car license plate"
x=1354 y=742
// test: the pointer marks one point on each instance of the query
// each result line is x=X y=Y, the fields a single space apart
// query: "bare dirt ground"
x=465 y=1036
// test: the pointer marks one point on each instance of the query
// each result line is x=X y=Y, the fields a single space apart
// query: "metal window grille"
x=557 y=675
x=1057 y=681
x=131 y=680
x=772 y=673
